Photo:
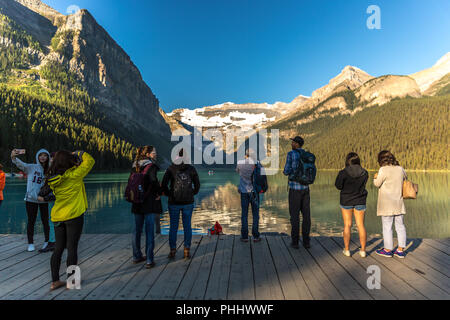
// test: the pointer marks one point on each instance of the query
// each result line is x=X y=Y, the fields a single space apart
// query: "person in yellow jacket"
x=66 y=181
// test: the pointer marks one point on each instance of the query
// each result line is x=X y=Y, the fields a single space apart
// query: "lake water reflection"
x=218 y=200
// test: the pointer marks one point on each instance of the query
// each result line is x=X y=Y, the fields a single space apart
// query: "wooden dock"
x=224 y=268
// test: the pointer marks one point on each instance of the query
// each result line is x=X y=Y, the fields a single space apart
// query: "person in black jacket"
x=144 y=213
x=352 y=183
x=184 y=184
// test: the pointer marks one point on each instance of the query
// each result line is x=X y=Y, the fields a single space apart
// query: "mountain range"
x=66 y=84
x=332 y=99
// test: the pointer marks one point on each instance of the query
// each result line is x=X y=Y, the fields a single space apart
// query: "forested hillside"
x=414 y=129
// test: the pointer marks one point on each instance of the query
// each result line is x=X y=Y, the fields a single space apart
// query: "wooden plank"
x=20 y=244
x=427 y=268
x=430 y=256
x=319 y=285
x=118 y=279
x=413 y=278
x=143 y=280
x=198 y=290
x=41 y=290
x=220 y=273
x=348 y=287
x=33 y=261
x=267 y=286
x=241 y=284
x=17 y=255
x=438 y=245
x=354 y=269
x=397 y=286
x=291 y=280
x=167 y=284
x=205 y=251
x=93 y=274
x=40 y=276
x=86 y=269
x=10 y=238
x=445 y=241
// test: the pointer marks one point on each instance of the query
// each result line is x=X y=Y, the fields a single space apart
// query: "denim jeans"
x=52 y=226
x=186 y=215
x=140 y=220
x=246 y=199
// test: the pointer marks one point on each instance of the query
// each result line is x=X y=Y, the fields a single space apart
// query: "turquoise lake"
x=218 y=200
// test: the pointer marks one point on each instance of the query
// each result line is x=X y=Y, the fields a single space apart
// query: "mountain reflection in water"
x=218 y=200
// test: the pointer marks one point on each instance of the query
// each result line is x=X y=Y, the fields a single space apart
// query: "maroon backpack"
x=134 y=191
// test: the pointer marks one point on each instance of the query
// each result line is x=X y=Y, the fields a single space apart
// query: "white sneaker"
x=346 y=253
x=45 y=245
x=362 y=253
x=30 y=247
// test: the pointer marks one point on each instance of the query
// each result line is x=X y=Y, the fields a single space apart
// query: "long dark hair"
x=142 y=154
x=352 y=158
x=1 y=166
x=45 y=165
x=62 y=161
x=386 y=158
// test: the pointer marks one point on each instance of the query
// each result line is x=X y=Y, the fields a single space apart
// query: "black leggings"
x=32 y=212
x=67 y=235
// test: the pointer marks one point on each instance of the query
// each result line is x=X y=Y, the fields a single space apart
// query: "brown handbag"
x=410 y=190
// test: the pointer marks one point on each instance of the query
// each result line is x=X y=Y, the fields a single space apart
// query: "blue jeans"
x=246 y=199
x=140 y=220
x=359 y=207
x=174 y=212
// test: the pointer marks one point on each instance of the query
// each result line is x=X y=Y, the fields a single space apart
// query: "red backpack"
x=134 y=192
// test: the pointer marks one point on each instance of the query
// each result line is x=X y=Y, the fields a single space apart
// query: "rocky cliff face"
x=102 y=67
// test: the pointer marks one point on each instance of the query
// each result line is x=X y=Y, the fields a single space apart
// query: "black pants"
x=32 y=212
x=299 y=201
x=67 y=235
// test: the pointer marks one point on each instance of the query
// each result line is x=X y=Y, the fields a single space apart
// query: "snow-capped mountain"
x=229 y=115
x=427 y=77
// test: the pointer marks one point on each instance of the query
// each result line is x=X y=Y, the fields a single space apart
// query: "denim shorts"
x=359 y=207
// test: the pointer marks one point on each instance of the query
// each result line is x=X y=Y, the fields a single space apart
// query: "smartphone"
x=20 y=151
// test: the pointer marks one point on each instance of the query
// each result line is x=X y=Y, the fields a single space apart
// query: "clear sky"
x=194 y=53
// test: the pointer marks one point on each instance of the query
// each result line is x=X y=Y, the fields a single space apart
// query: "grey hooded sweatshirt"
x=35 y=176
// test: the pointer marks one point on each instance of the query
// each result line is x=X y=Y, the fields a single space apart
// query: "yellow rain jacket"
x=69 y=190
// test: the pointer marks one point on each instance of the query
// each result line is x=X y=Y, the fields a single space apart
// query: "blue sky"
x=194 y=53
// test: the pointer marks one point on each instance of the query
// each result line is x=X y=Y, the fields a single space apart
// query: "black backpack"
x=259 y=180
x=182 y=186
x=306 y=171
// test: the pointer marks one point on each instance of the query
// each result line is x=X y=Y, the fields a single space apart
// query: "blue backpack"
x=259 y=180
x=306 y=171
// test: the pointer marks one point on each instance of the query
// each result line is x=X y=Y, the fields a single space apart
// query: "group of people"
x=351 y=181
x=57 y=179
x=180 y=184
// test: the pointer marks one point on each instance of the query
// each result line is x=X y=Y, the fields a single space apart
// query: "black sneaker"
x=244 y=239
x=306 y=245
x=49 y=247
